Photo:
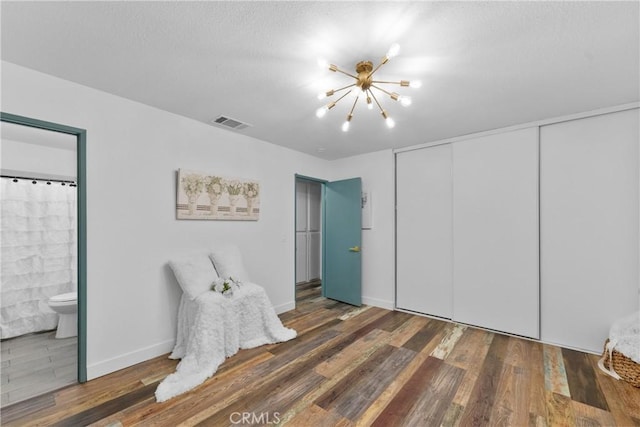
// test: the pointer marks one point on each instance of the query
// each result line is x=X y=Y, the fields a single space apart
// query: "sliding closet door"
x=589 y=227
x=495 y=232
x=423 y=231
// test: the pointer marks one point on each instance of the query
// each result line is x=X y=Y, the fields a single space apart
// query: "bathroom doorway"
x=308 y=259
x=43 y=313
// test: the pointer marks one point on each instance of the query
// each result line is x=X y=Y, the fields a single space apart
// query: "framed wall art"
x=203 y=195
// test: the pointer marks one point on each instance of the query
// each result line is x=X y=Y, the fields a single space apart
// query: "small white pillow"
x=195 y=273
x=228 y=262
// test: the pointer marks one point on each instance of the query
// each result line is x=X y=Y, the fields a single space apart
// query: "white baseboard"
x=597 y=352
x=287 y=306
x=541 y=340
x=122 y=361
x=378 y=302
x=104 y=367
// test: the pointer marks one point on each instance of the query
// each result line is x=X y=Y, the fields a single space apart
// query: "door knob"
x=355 y=249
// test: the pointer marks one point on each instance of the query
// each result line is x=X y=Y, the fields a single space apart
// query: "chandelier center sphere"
x=364 y=68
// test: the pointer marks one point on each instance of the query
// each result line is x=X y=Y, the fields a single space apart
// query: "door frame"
x=81 y=179
x=322 y=182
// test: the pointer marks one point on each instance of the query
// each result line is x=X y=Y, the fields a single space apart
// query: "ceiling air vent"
x=230 y=123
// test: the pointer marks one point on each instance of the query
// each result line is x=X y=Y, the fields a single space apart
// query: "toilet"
x=66 y=305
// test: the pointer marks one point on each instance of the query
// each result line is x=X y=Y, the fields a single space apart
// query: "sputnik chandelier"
x=363 y=86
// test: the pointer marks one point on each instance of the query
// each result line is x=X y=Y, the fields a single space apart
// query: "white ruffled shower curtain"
x=38 y=254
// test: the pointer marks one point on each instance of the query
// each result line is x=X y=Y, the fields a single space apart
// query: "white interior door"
x=301 y=232
x=495 y=232
x=315 y=256
x=423 y=231
x=301 y=258
x=308 y=231
x=589 y=227
x=314 y=236
x=301 y=206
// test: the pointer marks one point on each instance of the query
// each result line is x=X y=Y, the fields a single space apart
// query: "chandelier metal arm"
x=376 y=99
x=333 y=91
x=335 y=68
x=390 y=83
x=384 y=61
x=392 y=95
x=352 y=108
x=338 y=100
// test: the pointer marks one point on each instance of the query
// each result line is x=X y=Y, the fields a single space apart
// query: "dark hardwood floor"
x=359 y=366
x=308 y=292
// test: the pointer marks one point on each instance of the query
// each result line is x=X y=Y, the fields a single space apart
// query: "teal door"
x=342 y=273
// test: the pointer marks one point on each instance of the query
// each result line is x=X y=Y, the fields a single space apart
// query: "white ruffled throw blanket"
x=213 y=327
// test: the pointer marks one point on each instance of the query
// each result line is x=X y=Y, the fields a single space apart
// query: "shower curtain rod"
x=64 y=181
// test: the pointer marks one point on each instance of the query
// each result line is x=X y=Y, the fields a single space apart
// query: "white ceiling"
x=483 y=65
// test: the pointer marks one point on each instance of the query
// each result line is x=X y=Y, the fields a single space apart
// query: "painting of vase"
x=203 y=195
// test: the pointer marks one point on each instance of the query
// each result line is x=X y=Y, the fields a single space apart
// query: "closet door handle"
x=355 y=249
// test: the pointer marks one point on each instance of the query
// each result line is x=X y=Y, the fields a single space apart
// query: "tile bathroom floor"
x=37 y=363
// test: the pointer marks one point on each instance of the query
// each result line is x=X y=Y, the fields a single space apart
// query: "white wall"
x=36 y=160
x=378 y=249
x=133 y=153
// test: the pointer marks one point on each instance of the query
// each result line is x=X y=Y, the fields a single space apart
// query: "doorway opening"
x=44 y=257
x=328 y=236
x=308 y=259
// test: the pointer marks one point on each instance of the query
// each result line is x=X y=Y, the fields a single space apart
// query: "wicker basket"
x=628 y=370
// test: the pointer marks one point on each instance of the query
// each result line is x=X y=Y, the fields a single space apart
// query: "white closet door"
x=301 y=206
x=302 y=250
x=315 y=206
x=589 y=227
x=314 y=235
x=301 y=258
x=308 y=234
x=495 y=232
x=315 y=255
x=423 y=231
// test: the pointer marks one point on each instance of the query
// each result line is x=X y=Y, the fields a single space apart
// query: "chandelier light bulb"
x=320 y=112
x=393 y=50
x=322 y=63
x=390 y=123
x=405 y=101
x=345 y=126
x=322 y=95
x=415 y=84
